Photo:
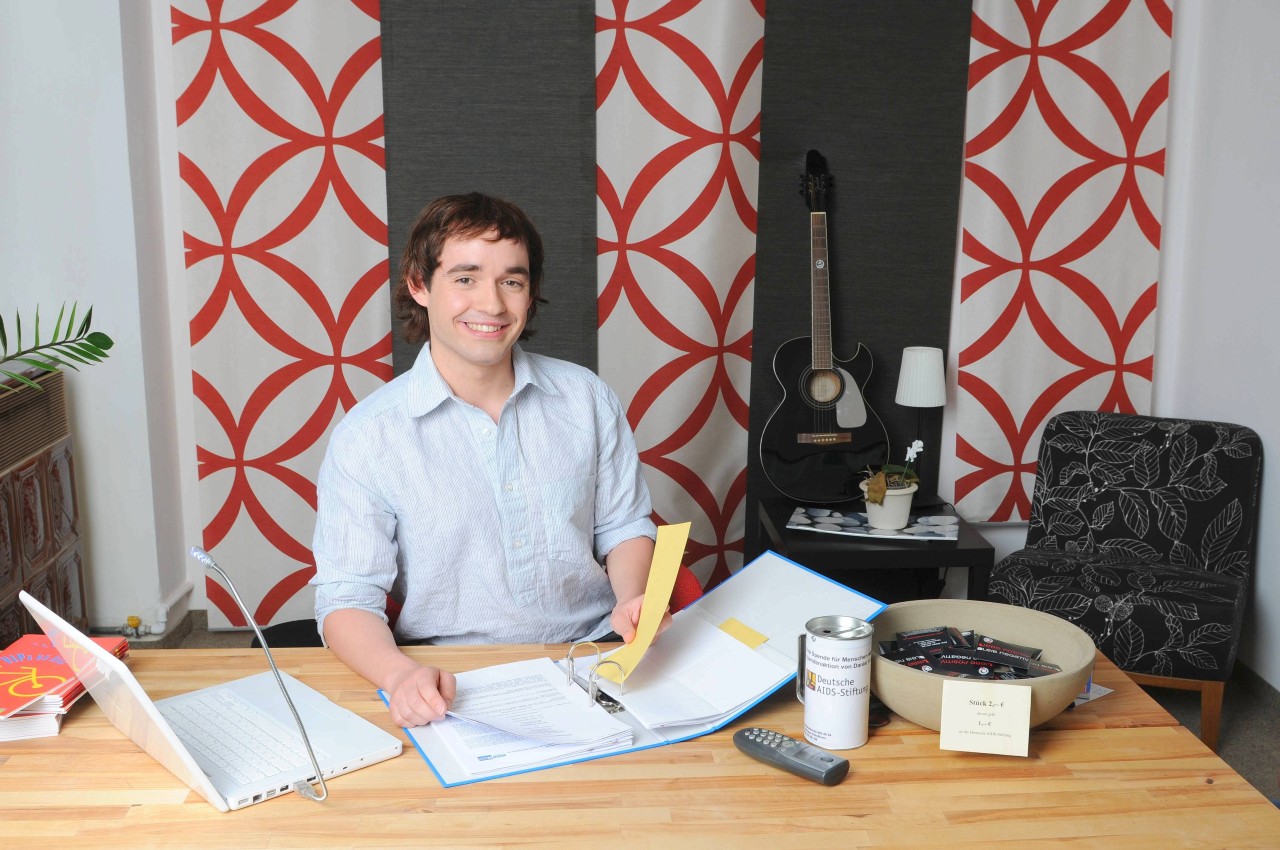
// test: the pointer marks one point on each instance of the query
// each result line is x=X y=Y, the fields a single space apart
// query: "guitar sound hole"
x=823 y=386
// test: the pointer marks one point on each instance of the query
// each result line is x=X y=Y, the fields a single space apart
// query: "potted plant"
x=888 y=491
x=67 y=345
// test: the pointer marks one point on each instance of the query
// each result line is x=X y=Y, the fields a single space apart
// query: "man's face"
x=478 y=302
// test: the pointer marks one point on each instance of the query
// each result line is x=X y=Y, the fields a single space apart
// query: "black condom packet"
x=1042 y=668
x=916 y=659
x=1002 y=652
x=965 y=663
x=927 y=638
x=914 y=635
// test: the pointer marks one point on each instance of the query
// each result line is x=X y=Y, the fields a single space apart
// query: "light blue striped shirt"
x=488 y=533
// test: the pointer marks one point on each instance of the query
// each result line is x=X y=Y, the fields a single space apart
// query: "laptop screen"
x=114 y=688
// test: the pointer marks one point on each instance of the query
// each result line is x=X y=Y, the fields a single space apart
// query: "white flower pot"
x=895 y=513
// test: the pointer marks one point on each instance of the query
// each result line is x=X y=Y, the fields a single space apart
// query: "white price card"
x=985 y=717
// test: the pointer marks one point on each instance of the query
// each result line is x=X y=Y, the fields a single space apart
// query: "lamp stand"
x=922 y=500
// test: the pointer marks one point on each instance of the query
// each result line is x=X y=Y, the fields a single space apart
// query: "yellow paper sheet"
x=667 y=554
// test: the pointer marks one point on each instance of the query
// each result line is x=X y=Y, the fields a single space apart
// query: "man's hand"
x=420 y=695
x=626 y=616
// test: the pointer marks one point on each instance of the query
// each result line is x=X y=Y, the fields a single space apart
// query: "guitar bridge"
x=824 y=439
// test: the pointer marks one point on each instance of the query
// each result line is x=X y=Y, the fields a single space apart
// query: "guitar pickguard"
x=851 y=409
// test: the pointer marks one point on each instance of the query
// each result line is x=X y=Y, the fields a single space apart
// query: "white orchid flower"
x=914 y=449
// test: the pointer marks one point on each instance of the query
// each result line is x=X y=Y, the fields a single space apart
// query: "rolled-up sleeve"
x=623 y=506
x=354 y=543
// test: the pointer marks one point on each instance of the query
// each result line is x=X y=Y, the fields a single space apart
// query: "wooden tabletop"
x=1116 y=772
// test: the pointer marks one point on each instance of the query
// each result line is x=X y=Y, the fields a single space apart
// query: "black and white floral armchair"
x=1142 y=533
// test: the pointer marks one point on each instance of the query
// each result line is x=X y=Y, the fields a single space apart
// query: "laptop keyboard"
x=235 y=736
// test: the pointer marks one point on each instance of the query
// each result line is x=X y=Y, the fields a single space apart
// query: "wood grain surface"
x=1117 y=772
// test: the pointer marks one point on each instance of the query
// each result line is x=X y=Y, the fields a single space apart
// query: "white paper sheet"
x=532 y=699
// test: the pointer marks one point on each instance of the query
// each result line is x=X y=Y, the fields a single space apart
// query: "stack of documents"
x=510 y=716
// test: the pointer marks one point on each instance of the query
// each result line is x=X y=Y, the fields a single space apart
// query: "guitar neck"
x=820 y=291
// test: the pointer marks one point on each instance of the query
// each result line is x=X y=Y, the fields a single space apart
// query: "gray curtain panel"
x=878 y=87
x=499 y=97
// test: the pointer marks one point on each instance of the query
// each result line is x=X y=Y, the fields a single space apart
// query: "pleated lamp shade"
x=922 y=381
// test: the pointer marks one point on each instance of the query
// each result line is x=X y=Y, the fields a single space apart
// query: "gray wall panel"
x=499 y=97
x=879 y=88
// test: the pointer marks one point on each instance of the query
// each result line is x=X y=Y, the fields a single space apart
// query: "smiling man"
x=495 y=493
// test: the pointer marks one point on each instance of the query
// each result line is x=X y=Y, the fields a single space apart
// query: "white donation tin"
x=834 y=681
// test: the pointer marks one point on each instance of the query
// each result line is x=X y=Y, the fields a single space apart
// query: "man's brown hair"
x=464 y=217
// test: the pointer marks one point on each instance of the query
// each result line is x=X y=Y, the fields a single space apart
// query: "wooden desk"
x=1117 y=772
x=836 y=555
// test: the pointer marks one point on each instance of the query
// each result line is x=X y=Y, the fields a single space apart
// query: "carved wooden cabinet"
x=39 y=516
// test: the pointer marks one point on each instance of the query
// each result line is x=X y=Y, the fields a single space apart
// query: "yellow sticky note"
x=740 y=630
x=667 y=553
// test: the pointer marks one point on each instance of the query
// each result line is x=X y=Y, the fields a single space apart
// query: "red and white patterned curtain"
x=1064 y=173
x=678 y=155
x=282 y=163
x=284 y=221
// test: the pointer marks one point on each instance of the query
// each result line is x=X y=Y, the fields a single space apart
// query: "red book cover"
x=32 y=670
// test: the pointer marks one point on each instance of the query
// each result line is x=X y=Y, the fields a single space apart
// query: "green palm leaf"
x=65 y=347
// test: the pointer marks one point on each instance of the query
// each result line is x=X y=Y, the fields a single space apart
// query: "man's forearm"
x=628 y=567
x=365 y=644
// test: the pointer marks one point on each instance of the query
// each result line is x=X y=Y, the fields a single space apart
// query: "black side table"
x=834 y=554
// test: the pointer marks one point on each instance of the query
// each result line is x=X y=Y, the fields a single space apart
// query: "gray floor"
x=1249 y=742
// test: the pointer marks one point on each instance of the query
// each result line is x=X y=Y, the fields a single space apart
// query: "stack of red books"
x=37 y=685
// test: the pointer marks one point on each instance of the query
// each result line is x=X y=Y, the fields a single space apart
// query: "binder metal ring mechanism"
x=594 y=694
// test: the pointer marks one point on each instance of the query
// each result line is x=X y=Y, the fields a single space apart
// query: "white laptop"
x=211 y=738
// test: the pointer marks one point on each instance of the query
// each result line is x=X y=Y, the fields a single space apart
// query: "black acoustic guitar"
x=823 y=433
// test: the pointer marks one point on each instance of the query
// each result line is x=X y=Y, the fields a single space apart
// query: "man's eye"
x=463 y=280
x=515 y=284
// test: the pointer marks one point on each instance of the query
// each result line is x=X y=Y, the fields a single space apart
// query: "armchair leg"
x=1211 y=713
x=1210 y=701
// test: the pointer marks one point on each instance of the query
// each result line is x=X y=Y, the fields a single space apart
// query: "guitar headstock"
x=816 y=182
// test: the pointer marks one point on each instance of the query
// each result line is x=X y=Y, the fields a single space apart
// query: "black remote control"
x=791 y=755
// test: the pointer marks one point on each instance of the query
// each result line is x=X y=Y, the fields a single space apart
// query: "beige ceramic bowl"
x=917 y=696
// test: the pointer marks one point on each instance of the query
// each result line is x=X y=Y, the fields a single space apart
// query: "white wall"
x=69 y=231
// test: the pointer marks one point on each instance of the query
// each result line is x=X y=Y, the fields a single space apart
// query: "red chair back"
x=686 y=591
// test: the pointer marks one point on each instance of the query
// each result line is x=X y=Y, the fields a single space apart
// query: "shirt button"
x=518 y=543
x=508 y=486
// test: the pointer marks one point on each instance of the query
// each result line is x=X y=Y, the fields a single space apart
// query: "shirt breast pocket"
x=568 y=514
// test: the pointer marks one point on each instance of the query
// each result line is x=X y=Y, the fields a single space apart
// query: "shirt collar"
x=529 y=373
x=429 y=390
